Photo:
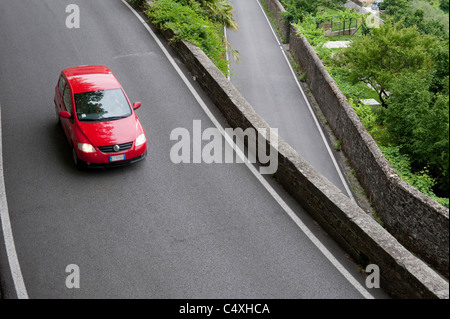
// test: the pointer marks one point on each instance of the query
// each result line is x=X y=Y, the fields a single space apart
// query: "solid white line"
x=14 y=265
x=341 y=176
x=255 y=172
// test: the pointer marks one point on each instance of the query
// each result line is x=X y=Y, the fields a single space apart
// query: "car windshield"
x=97 y=106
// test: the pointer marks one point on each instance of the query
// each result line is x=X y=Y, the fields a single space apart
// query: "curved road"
x=150 y=230
x=265 y=78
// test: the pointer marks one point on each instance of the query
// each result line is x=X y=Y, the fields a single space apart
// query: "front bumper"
x=112 y=164
x=101 y=159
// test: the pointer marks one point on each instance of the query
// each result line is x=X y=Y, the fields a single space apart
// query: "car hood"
x=111 y=132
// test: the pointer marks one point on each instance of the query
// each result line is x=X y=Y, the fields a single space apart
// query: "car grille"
x=110 y=148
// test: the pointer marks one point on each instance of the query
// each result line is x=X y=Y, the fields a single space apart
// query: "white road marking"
x=14 y=265
x=255 y=172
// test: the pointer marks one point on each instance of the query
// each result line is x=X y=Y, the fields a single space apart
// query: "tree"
x=444 y=5
x=428 y=18
x=408 y=105
x=297 y=9
x=418 y=121
x=388 y=51
x=396 y=8
x=440 y=73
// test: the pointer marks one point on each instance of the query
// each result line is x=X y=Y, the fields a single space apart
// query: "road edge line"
x=322 y=134
x=11 y=253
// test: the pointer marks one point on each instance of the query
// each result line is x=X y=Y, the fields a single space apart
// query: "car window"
x=62 y=83
x=67 y=97
x=105 y=105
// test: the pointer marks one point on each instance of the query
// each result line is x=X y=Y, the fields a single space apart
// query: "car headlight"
x=87 y=148
x=140 y=140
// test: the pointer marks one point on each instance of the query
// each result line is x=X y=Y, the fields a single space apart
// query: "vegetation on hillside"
x=200 y=22
x=404 y=64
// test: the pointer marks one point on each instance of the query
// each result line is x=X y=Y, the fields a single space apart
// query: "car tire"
x=75 y=159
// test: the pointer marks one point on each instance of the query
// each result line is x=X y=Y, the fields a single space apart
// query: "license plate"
x=117 y=158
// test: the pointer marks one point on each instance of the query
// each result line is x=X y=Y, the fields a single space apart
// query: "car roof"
x=88 y=78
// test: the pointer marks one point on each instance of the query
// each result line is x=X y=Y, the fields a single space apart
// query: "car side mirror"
x=65 y=115
x=137 y=105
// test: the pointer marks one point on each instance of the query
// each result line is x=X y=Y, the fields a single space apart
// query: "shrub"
x=137 y=3
x=420 y=180
x=189 y=23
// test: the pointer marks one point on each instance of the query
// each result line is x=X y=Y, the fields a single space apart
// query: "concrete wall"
x=402 y=274
x=417 y=221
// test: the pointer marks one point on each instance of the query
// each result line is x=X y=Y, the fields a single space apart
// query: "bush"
x=369 y=116
x=189 y=23
x=137 y=3
x=420 y=180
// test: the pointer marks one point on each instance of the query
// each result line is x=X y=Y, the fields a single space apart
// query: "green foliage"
x=355 y=91
x=396 y=8
x=444 y=5
x=191 y=24
x=418 y=122
x=296 y=10
x=402 y=165
x=370 y=118
x=408 y=105
x=405 y=66
x=137 y=3
x=218 y=11
x=389 y=51
x=430 y=13
x=308 y=29
x=420 y=180
x=427 y=18
x=440 y=71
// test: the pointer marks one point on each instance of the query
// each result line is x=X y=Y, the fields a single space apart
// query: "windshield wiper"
x=88 y=120
x=102 y=119
x=113 y=118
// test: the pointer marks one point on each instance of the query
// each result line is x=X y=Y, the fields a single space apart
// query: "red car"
x=98 y=119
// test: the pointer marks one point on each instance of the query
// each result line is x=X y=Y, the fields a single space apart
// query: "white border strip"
x=341 y=176
x=226 y=53
x=266 y=185
x=16 y=273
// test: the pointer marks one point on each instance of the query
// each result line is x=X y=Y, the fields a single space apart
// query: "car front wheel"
x=76 y=161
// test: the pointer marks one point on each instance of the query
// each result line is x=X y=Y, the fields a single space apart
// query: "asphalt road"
x=150 y=230
x=265 y=79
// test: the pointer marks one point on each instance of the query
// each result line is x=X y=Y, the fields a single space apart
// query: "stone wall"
x=417 y=221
